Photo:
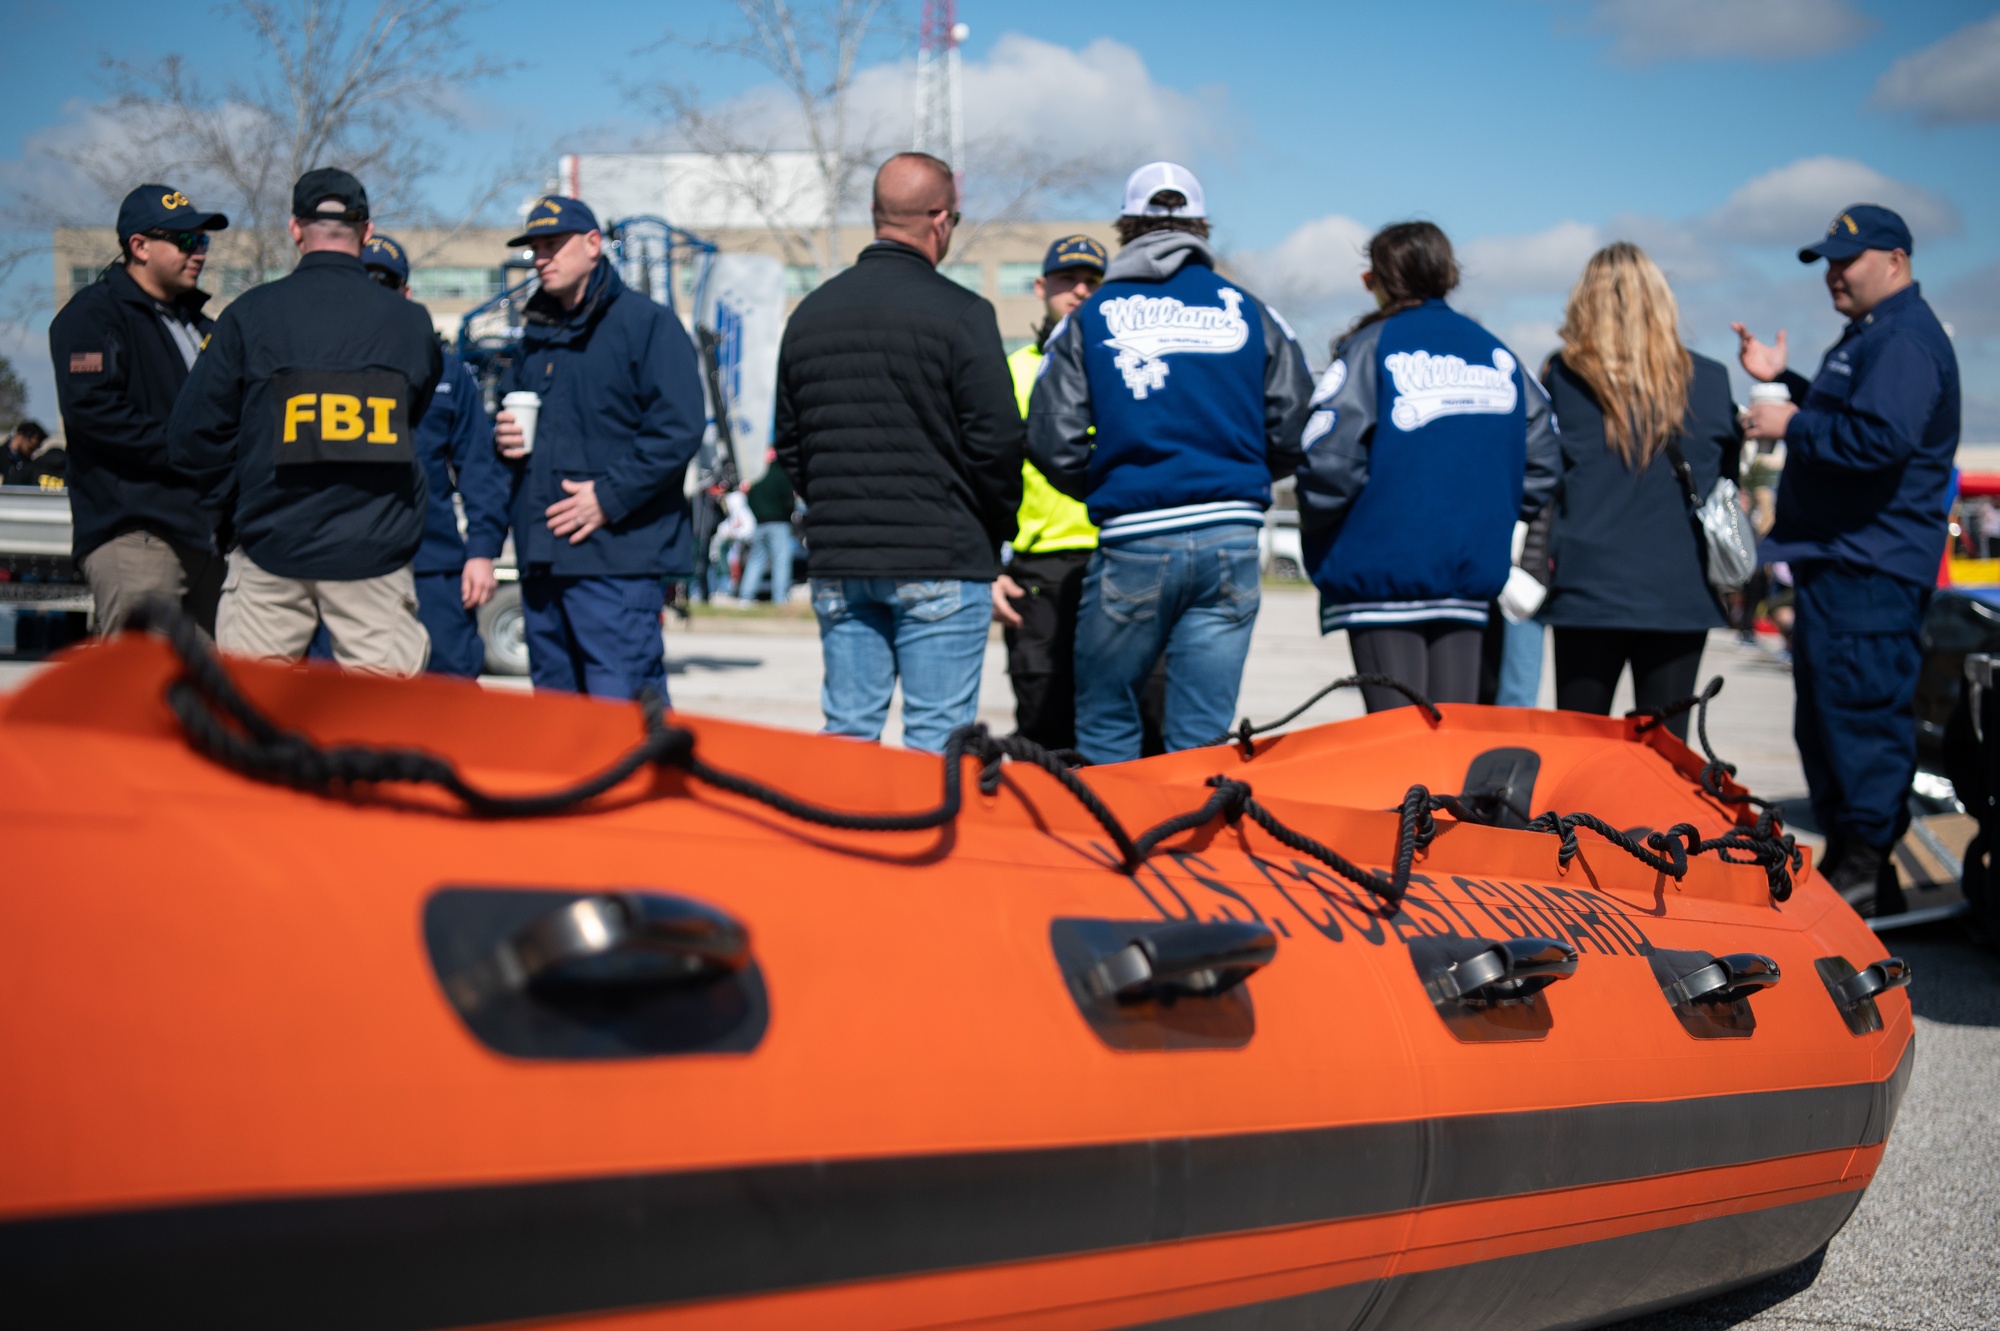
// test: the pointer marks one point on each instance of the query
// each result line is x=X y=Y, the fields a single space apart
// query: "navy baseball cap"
x=329 y=194
x=163 y=208
x=555 y=215
x=1074 y=252
x=1865 y=226
x=386 y=253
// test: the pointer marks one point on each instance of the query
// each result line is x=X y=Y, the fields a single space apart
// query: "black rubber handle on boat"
x=1193 y=957
x=1724 y=980
x=1511 y=968
x=1888 y=973
x=623 y=941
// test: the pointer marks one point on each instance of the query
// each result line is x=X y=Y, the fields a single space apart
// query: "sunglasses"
x=187 y=242
x=383 y=277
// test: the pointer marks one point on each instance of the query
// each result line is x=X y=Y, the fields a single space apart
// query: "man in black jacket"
x=123 y=348
x=307 y=403
x=897 y=424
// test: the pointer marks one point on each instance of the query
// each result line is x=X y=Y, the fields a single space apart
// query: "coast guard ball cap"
x=554 y=215
x=386 y=253
x=1865 y=226
x=329 y=194
x=1074 y=252
x=163 y=208
x=1150 y=179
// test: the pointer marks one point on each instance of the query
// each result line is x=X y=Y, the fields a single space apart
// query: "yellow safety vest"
x=1049 y=520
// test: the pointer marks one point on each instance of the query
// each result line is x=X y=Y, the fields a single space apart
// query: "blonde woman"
x=1628 y=587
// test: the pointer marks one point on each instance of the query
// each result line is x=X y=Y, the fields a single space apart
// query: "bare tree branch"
x=340 y=85
x=813 y=52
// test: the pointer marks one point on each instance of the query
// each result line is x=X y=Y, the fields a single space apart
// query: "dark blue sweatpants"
x=1856 y=649
x=599 y=636
x=456 y=647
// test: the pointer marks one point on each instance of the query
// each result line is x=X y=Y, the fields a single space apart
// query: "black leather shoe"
x=1858 y=874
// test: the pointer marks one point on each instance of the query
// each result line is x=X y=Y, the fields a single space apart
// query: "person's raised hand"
x=579 y=515
x=1006 y=591
x=508 y=438
x=477 y=584
x=1760 y=362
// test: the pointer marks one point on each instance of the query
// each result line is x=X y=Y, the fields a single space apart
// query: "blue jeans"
x=456 y=647
x=770 y=549
x=599 y=636
x=932 y=634
x=1521 y=664
x=1192 y=595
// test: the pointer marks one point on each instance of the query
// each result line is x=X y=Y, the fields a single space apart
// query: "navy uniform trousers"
x=456 y=647
x=598 y=635
x=1856 y=650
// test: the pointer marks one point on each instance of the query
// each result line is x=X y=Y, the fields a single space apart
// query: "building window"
x=1018 y=279
x=81 y=276
x=800 y=279
x=457 y=283
x=965 y=274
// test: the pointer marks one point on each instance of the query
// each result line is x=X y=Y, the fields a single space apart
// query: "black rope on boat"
x=222 y=724
x=1765 y=842
x=1246 y=732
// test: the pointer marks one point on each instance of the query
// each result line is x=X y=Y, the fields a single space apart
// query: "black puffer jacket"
x=897 y=424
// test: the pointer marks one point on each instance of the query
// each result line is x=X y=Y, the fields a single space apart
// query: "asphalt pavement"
x=1920 y=1252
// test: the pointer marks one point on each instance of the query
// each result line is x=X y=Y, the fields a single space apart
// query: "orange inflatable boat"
x=318 y=1012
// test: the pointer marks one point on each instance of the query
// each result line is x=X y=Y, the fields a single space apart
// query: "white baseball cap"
x=1150 y=179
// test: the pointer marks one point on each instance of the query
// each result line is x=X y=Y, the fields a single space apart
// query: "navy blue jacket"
x=335 y=518
x=1868 y=458
x=1426 y=443
x=622 y=406
x=118 y=373
x=1169 y=399
x=455 y=444
x=1623 y=544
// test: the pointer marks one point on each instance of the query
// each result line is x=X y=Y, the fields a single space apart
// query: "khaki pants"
x=137 y=566
x=372 y=621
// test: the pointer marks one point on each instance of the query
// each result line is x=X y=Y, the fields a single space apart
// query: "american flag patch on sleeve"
x=86 y=362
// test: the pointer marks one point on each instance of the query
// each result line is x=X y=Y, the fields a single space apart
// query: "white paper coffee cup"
x=1770 y=393
x=524 y=407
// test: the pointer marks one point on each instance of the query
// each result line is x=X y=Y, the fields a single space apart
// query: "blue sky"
x=1719 y=133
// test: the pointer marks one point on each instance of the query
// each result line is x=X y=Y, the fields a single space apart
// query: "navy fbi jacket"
x=303 y=410
x=1868 y=457
x=455 y=442
x=117 y=375
x=622 y=406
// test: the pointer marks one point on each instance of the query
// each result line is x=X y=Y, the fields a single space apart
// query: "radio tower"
x=940 y=113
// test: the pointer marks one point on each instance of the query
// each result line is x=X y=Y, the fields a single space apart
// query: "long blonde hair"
x=1621 y=336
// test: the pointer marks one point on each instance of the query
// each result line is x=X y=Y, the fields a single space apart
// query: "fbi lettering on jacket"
x=329 y=416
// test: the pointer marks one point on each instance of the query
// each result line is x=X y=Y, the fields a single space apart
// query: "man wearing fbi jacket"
x=301 y=419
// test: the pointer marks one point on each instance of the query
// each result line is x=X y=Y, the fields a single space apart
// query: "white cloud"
x=1650 y=30
x=1098 y=101
x=1956 y=81
x=1794 y=203
x=1495 y=266
x=1317 y=263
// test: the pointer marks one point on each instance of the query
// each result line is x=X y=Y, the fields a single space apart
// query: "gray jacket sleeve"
x=1288 y=385
x=1544 y=470
x=1339 y=428
x=1059 y=418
